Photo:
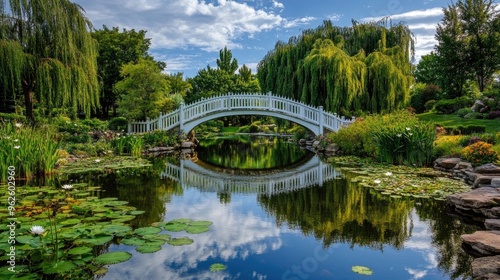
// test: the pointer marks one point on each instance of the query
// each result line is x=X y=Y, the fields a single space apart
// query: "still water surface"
x=316 y=231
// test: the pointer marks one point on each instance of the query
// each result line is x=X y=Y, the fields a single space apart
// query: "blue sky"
x=188 y=34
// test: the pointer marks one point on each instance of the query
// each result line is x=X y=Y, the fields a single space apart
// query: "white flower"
x=16 y=140
x=388 y=173
x=97 y=160
x=67 y=187
x=377 y=181
x=410 y=134
x=17 y=147
x=407 y=128
x=399 y=135
x=38 y=230
x=19 y=124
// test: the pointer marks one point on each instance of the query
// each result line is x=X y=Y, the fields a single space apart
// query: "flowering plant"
x=480 y=153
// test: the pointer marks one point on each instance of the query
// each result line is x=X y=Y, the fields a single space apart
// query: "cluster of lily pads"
x=104 y=164
x=65 y=232
x=401 y=181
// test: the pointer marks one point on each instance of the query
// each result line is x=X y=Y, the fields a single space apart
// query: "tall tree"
x=143 y=90
x=117 y=48
x=468 y=44
x=428 y=70
x=226 y=62
x=363 y=67
x=48 y=55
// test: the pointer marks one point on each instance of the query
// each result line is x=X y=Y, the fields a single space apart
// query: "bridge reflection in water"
x=313 y=172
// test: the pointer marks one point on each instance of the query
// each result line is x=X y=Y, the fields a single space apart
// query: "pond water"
x=287 y=216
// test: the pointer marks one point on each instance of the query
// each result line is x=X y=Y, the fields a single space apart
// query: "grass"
x=230 y=129
x=492 y=126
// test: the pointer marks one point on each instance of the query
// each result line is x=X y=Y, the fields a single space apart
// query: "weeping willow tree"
x=48 y=56
x=345 y=69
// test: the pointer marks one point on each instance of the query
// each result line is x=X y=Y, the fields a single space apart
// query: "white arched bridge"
x=312 y=173
x=189 y=116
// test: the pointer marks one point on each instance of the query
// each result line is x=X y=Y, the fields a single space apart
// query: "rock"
x=302 y=141
x=315 y=144
x=492 y=224
x=448 y=163
x=476 y=198
x=486 y=268
x=495 y=182
x=492 y=213
x=187 y=145
x=488 y=168
x=332 y=148
x=478 y=105
x=483 y=180
x=484 y=243
x=309 y=143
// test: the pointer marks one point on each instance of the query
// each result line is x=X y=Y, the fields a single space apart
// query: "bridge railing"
x=269 y=102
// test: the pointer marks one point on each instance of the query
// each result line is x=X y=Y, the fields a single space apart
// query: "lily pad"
x=147 y=230
x=59 y=267
x=180 y=241
x=217 y=267
x=200 y=223
x=79 y=250
x=113 y=257
x=148 y=249
x=197 y=229
x=363 y=270
x=175 y=227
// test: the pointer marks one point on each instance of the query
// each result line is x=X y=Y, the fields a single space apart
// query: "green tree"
x=468 y=44
x=143 y=90
x=115 y=50
x=48 y=57
x=363 y=67
x=428 y=70
x=226 y=62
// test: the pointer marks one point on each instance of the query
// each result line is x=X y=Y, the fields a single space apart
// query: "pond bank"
x=479 y=206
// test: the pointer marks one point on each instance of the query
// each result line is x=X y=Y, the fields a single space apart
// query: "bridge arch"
x=189 y=116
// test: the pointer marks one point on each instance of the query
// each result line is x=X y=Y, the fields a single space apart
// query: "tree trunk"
x=28 y=102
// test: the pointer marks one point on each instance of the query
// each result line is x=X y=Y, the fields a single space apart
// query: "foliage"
x=449 y=106
x=49 y=56
x=115 y=49
x=427 y=70
x=30 y=150
x=480 y=153
x=421 y=94
x=467 y=129
x=118 y=124
x=397 y=138
x=363 y=67
x=463 y=112
x=223 y=79
x=448 y=145
x=468 y=44
x=143 y=90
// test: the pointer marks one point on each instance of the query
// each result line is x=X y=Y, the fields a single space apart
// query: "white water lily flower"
x=38 y=230
x=17 y=147
x=67 y=187
x=377 y=181
x=388 y=173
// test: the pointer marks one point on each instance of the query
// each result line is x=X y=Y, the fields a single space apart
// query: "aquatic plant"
x=29 y=150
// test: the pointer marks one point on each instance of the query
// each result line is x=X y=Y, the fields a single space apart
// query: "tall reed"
x=32 y=151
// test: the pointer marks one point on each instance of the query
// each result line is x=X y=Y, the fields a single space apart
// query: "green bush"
x=429 y=105
x=397 y=138
x=449 y=106
x=118 y=124
x=474 y=115
x=466 y=130
x=159 y=139
x=463 y=112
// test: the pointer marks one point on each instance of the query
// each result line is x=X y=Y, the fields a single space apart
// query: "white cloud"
x=277 y=4
x=411 y=15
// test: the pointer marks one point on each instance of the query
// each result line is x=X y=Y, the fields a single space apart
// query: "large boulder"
x=447 y=163
x=488 y=168
x=486 y=268
x=476 y=199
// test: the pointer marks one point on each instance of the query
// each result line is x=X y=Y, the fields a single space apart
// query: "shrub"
x=397 y=138
x=429 y=105
x=469 y=129
x=480 y=153
x=463 y=112
x=473 y=115
x=493 y=115
x=159 y=139
x=449 y=145
x=448 y=106
x=118 y=124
